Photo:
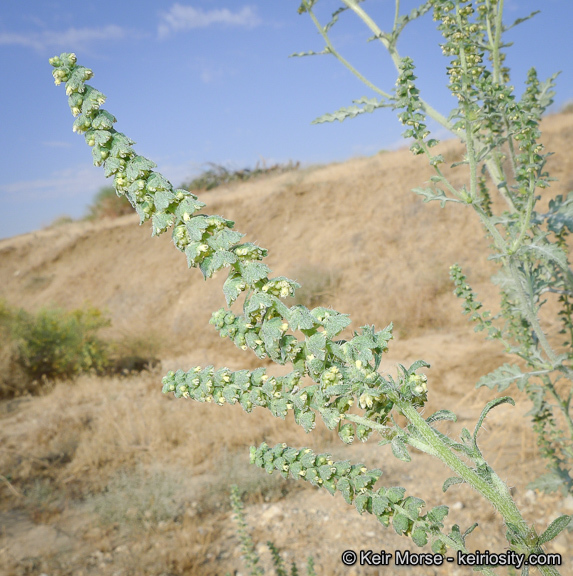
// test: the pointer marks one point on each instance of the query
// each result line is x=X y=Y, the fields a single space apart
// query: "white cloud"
x=72 y=37
x=69 y=183
x=181 y=17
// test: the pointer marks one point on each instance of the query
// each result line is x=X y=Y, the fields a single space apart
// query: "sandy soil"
x=73 y=460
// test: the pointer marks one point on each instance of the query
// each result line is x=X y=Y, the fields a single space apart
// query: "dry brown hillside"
x=108 y=476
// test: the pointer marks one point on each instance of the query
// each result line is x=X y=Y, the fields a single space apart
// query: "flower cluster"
x=356 y=484
x=407 y=98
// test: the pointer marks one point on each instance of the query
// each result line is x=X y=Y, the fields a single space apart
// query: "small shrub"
x=107 y=204
x=139 y=498
x=49 y=345
x=217 y=174
x=249 y=553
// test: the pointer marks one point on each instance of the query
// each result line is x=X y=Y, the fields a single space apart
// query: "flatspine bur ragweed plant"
x=332 y=379
x=504 y=157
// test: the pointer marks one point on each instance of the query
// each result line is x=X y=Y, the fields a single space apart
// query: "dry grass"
x=141 y=480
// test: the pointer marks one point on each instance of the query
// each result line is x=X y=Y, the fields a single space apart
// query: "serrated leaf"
x=552 y=482
x=316 y=345
x=369 y=105
x=138 y=166
x=442 y=415
x=419 y=537
x=331 y=417
x=224 y=240
x=430 y=194
x=379 y=504
x=503 y=376
x=300 y=318
x=92 y=99
x=163 y=199
x=399 y=450
x=438 y=513
x=271 y=332
x=309 y=53
x=161 y=222
x=451 y=481
x=416 y=365
x=103 y=121
x=187 y=207
x=362 y=502
x=335 y=324
x=548 y=251
x=520 y=20
x=232 y=288
x=489 y=406
x=101 y=137
x=120 y=145
x=306 y=420
x=400 y=523
x=395 y=494
x=253 y=271
x=345 y=488
x=554 y=529
x=216 y=261
x=258 y=301
x=111 y=166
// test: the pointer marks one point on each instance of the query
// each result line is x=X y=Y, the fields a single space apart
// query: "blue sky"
x=210 y=81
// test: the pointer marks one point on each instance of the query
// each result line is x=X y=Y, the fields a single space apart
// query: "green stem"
x=342 y=60
x=500 y=499
x=430 y=110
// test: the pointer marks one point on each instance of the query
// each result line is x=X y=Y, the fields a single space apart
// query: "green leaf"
x=451 y=481
x=187 y=207
x=552 y=482
x=120 y=145
x=400 y=523
x=520 y=20
x=431 y=194
x=419 y=537
x=368 y=105
x=316 y=345
x=503 y=376
x=438 y=513
x=161 y=222
x=306 y=420
x=331 y=417
x=554 y=529
x=271 y=332
x=309 y=53
x=489 y=406
x=362 y=502
x=253 y=271
x=399 y=449
x=163 y=199
x=101 y=137
x=395 y=494
x=218 y=260
x=335 y=324
x=232 y=287
x=103 y=121
x=548 y=251
x=157 y=182
x=92 y=99
x=300 y=318
x=442 y=415
x=111 y=166
x=416 y=365
x=138 y=166
x=224 y=240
